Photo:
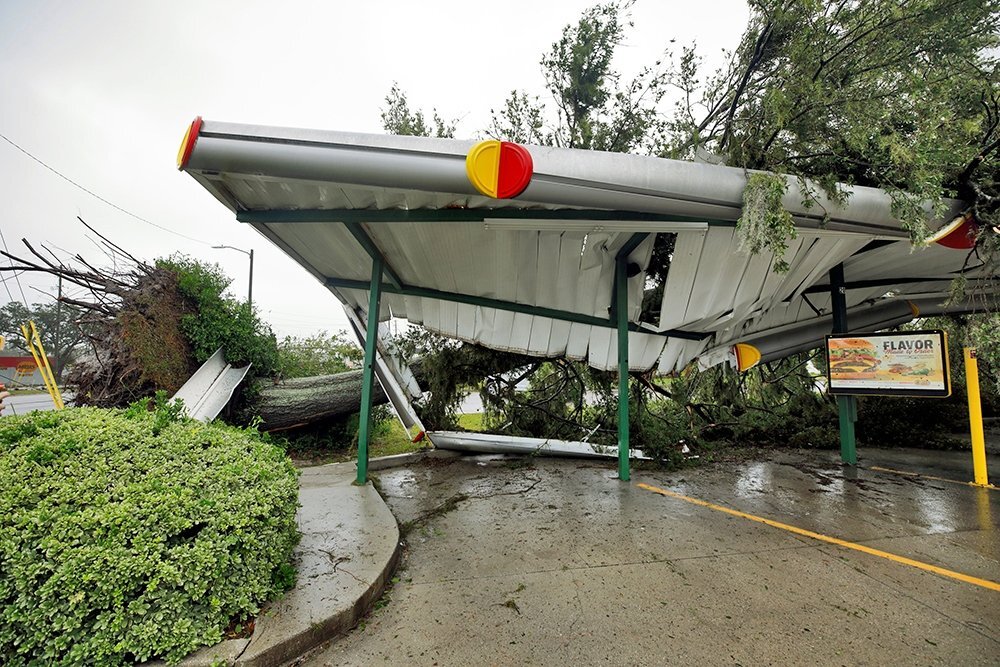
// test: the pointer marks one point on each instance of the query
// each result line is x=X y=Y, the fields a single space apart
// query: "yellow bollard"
x=975 y=418
x=42 y=361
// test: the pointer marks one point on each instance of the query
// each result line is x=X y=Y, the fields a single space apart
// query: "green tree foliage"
x=765 y=224
x=983 y=333
x=595 y=109
x=398 y=119
x=449 y=369
x=215 y=320
x=127 y=535
x=319 y=354
x=903 y=96
x=521 y=120
x=62 y=336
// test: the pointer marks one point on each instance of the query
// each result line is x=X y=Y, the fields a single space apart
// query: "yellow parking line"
x=923 y=476
x=985 y=583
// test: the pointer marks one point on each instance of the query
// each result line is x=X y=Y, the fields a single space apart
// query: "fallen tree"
x=303 y=401
x=148 y=326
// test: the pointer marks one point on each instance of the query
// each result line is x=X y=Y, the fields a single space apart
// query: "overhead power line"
x=99 y=197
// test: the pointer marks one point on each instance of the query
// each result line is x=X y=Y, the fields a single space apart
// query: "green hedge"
x=128 y=535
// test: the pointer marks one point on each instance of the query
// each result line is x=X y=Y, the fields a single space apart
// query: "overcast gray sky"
x=102 y=91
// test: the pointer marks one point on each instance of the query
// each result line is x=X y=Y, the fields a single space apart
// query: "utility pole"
x=58 y=350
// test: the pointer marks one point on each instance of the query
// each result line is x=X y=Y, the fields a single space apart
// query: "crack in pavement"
x=451 y=504
x=337 y=561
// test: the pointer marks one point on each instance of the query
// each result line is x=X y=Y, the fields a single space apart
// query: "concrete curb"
x=349 y=550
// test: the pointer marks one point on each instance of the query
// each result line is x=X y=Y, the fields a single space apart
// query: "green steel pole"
x=621 y=299
x=368 y=377
x=847 y=406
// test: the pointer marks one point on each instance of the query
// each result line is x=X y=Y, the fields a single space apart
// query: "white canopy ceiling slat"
x=485 y=324
x=823 y=256
x=776 y=285
x=749 y=291
x=525 y=264
x=710 y=270
x=720 y=293
x=680 y=280
x=637 y=284
x=448 y=319
x=603 y=351
x=503 y=249
x=467 y=316
x=394 y=241
x=503 y=329
x=413 y=309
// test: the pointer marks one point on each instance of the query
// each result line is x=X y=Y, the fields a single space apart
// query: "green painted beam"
x=368 y=374
x=366 y=242
x=486 y=302
x=621 y=289
x=460 y=215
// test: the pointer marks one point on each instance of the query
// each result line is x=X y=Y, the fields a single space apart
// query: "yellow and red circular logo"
x=499 y=169
x=960 y=234
x=187 y=144
x=747 y=356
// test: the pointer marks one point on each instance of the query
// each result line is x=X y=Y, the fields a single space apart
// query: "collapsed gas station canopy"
x=536 y=273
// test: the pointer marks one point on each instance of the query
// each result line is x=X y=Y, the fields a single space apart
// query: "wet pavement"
x=18 y=404
x=544 y=562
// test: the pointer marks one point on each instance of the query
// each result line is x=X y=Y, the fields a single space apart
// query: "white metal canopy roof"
x=535 y=274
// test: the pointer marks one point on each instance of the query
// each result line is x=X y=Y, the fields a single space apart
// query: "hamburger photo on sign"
x=852 y=359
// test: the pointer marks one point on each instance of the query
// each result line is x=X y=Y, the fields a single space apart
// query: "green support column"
x=621 y=314
x=847 y=406
x=368 y=378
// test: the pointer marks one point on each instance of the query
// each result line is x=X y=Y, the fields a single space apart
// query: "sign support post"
x=847 y=406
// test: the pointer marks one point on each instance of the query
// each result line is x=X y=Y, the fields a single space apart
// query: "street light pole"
x=248 y=253
x=250 y=289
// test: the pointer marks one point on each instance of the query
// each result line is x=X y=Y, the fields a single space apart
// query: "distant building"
x=21 y=371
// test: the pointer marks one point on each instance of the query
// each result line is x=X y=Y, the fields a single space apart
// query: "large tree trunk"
x=301 y=401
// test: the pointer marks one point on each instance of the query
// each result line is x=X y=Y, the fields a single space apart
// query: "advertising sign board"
x=903 y=363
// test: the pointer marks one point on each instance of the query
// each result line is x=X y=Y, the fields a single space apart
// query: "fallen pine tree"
x=302 y=401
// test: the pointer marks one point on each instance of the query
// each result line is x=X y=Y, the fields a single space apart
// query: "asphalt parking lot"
x=789 y=560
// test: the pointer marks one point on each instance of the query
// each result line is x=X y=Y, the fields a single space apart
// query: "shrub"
x=215 y=320
x=132 y=534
